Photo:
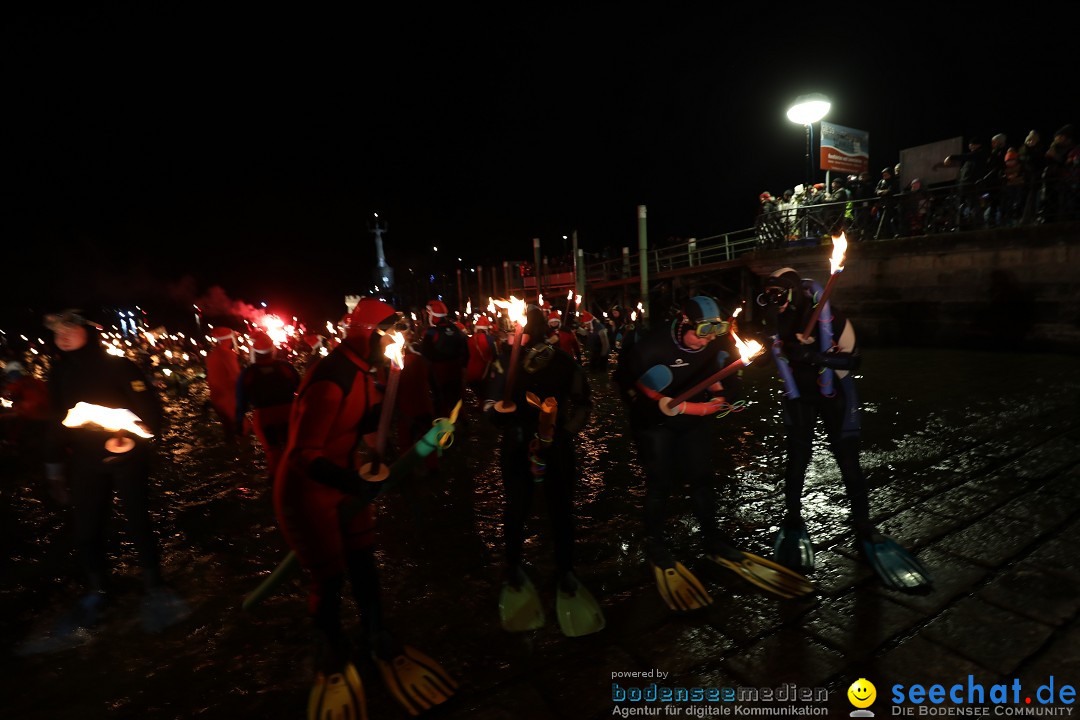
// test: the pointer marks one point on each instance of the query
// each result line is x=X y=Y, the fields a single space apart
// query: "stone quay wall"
x=1008 y=288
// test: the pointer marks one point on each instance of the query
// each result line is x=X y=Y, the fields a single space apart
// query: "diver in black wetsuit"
x=817 y=376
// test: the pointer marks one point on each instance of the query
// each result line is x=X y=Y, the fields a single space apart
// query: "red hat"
x=262 y=343
x=222 y=333
x=554 y=318
x=483 y=323
x=368 y=315
x=765 y=196
x=586 y=317
x=461 y=326
x=437 y=308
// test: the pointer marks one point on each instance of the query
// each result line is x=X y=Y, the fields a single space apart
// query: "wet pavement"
x=974 y=464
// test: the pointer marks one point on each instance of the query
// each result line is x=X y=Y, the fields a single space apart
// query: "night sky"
x=157 y=154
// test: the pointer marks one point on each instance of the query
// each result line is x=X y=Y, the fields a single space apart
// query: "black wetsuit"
x=92 y=376
x=838 y=410
x=549 y=373
x=674 y=449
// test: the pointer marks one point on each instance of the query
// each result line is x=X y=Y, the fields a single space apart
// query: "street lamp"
x=807 y=110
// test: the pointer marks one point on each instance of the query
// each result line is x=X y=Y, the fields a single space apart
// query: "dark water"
x=440 y=541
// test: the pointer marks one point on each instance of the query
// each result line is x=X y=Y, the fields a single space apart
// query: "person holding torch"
x=815 y=351
x=537 y=449
x=88 y=461
x=337 y=411
x=675 y=379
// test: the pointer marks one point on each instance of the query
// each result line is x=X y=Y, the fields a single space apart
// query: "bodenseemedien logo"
x=862 y=694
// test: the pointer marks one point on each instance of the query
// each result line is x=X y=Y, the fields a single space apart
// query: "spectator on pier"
x=973 y=166
x=1032 y=162
x=1062 y=176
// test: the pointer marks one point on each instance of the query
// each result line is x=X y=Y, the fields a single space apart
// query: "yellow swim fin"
x=337 y=696
x=680 y=589
x=416 y=681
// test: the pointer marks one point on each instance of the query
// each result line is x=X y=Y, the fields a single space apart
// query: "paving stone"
x=920 y=661
x=786 y=656
x=678 y=647
x=860 y=622
x=1058 y=554
x=1028 y=590
x=1066 y=486
x=973 y=628
x=1041 y=508
x=1060 y=659
x=991 y=541
x=919 y=526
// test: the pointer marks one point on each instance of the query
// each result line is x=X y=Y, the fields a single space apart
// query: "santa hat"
x=586 y=317
x=222 y=333
x=437 y=308
x=553 y=318
x=262 y=343
x=483 y=323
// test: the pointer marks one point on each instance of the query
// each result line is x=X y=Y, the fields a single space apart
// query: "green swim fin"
x=895 y=567
x=579 y=613
x=766 y=574
x=520 y=609
x=679 y=588
x=415 y=680
x=792 y=547
x=337 y=696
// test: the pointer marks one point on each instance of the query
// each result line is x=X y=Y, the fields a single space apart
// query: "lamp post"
x=807 y=110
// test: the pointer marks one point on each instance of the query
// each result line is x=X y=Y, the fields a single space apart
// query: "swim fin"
x=337 y=696
x=792 y=547
x=895 y=567
x=766 y=574
x=679 y=588
x=520 y=609
x=579 y=613
x=415 y=680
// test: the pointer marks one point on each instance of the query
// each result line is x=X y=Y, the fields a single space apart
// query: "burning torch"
x=748 y=351
x=377 y=471
x=837 y=262
x=516 y=311
x=116 y=420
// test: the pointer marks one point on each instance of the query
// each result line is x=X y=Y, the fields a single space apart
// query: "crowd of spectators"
x=999 y=185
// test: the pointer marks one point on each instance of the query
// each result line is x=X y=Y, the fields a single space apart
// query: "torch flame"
x=839 y=248
x=396 y=350
x=569 y=295
x=468 y=307
x=108 y=418
x=515 y=309
x=748 y=350
x=491 y=306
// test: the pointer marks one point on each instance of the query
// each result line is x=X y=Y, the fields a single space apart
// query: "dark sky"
x=153 y=153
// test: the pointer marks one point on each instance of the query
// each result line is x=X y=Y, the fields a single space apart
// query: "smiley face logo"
x=862 y=693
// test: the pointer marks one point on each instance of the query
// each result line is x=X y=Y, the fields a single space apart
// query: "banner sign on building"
x=843 y=149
